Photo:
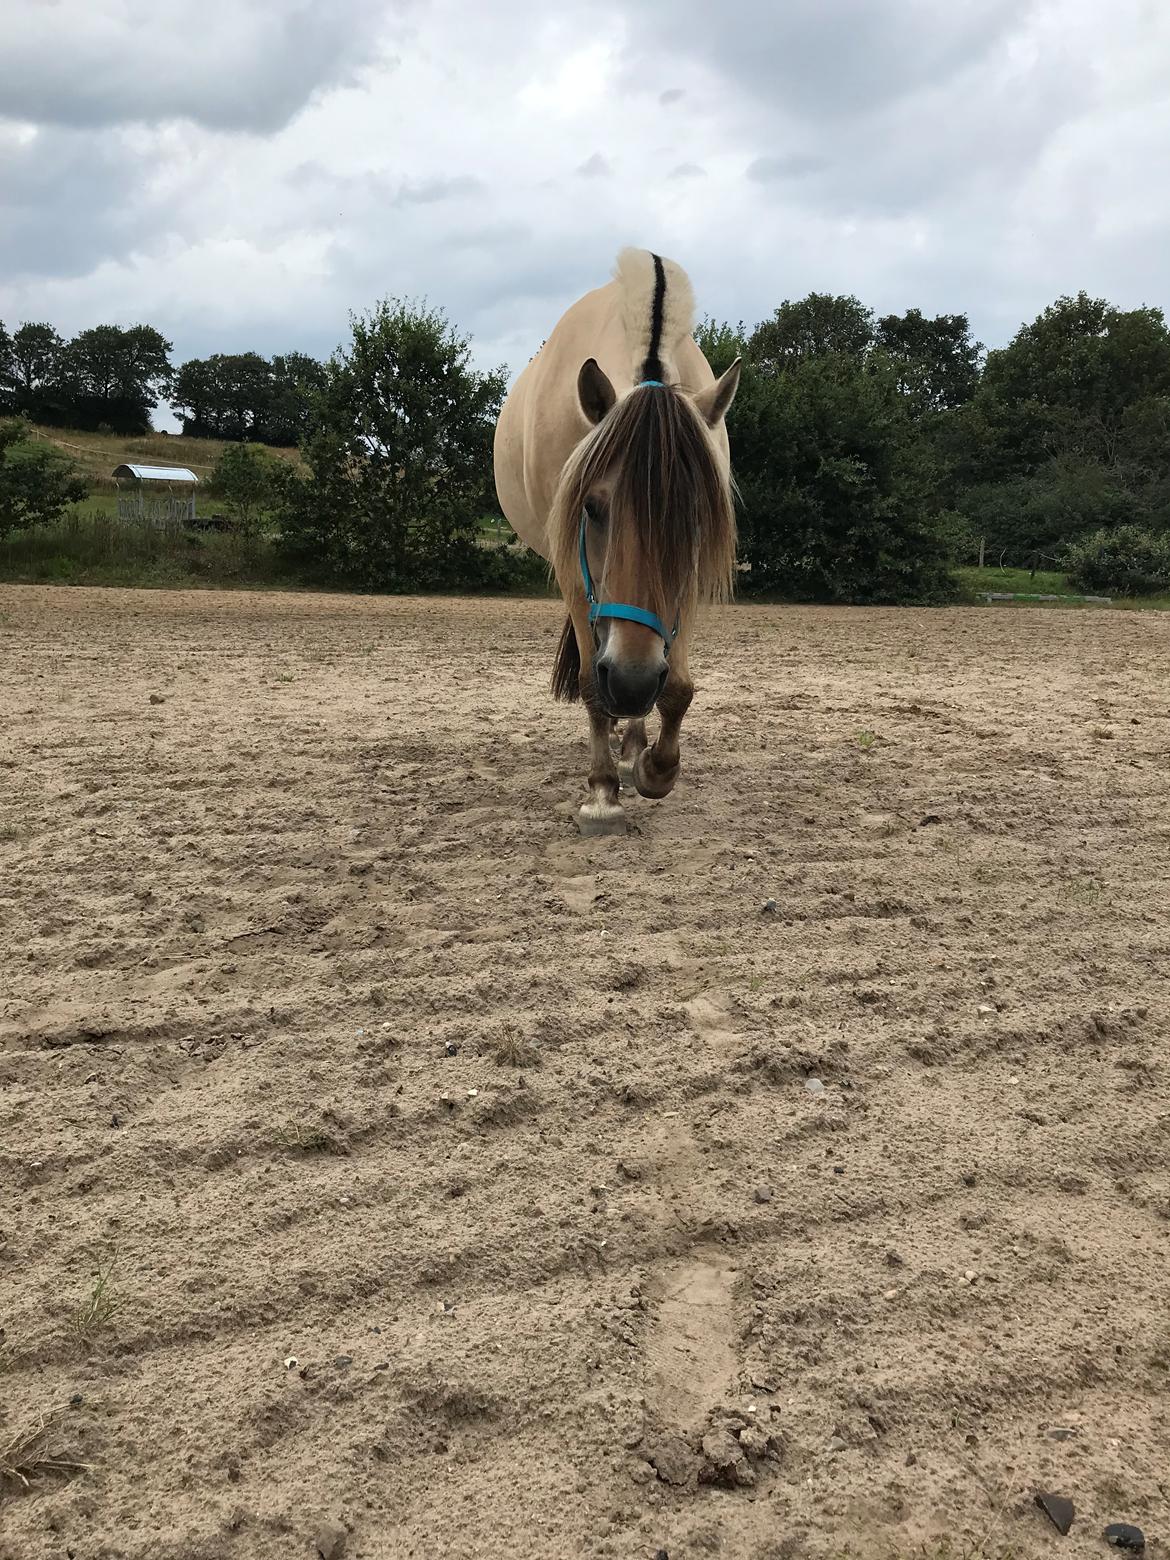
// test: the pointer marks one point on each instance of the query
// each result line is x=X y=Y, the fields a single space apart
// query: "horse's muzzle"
x=627 y=692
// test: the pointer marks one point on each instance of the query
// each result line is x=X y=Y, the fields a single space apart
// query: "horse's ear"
x=712 y=404
x=594 y=391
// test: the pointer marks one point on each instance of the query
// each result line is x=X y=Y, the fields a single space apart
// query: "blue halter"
x=618 y=609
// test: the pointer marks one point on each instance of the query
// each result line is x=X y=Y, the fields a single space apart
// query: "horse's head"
x=644 y=518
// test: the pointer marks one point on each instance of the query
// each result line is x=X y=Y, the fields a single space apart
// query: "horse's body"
x=612 y=461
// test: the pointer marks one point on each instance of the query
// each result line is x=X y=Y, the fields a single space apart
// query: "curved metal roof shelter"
x=156 y=473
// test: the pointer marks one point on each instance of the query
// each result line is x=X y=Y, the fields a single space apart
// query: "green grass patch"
x=973 y=583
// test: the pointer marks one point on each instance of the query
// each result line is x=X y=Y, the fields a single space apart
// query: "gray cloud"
x=912 y=155
x=66 y=201
x=595 y=167
x=429 y=192
x=215 y=62
x=766 y=170
x=825 y=59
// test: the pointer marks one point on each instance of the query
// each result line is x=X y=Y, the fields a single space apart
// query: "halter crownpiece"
x=657 y=383
x=618 y=609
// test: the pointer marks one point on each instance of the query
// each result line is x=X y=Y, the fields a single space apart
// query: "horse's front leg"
x=656 y=768
x=633 y=741
x=602 y=813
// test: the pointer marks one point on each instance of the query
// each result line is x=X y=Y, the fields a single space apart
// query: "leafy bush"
x=1040 y=513
x=1126 y=561
x=36 y=484
x=399 y=457
x=245 y=477
x=837 y=486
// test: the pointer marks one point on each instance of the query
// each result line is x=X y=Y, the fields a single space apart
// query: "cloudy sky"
x=244 y=173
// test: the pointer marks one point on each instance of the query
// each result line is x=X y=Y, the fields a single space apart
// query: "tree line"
x=113 y=377
x=872 y=453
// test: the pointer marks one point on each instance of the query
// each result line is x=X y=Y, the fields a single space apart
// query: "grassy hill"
x=95 y=455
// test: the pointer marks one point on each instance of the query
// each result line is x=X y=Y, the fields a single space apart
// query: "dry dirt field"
x=375 y=1150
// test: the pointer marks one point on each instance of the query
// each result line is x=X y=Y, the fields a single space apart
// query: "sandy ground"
x=495 y=1192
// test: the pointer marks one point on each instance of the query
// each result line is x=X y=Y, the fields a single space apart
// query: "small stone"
x=837 y=1443
x=343 y=1360
x=331 y=1540
x=985 y=1008
x=763 y=1194
x=291 y=1362
x=891 y=1294
x=76 y=1400
x=157 y=698
x=452 y=1048
x=769 y=907
x=814 y=1085
x=1123 y=1535
x=970 y=1275
x=1070 y=1181
x=662 y=1554
x=1061 y=1433
x=1058 y=1508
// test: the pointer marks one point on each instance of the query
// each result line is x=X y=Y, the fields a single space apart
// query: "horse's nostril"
x=662 y=676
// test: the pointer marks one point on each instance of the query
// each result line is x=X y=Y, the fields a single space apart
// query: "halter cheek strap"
x=618 y=609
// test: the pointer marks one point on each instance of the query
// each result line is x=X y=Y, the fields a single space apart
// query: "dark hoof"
x=651 y=781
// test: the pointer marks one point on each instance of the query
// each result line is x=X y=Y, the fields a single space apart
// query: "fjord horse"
x=612 y=462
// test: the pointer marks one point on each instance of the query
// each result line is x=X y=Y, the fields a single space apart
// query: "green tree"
x=1066 y=432
x=246 y=477
x=820 y=325
x=7 y=380
x=115 y=376
x=835 y=478
x=936 y=360
x=195 y=395
x=35 y=364
x=399 y=455
x=36 y=484
x=296 y=379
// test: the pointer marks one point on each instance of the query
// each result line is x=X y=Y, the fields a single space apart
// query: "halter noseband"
x=618 y=609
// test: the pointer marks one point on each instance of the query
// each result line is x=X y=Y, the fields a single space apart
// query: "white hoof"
x=601 y=818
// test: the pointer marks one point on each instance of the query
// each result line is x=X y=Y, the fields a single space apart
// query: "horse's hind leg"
x=656 y=768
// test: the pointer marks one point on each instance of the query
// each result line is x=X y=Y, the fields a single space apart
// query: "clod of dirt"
x=725 y=1460
x=1123 y=1535
x=157 y=698
x=331 y=1540
x=451 y=1048
x=672 y=1459
x=763 y=1194
x=1058 y=1508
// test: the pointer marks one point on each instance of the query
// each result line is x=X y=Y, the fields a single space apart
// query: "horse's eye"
x=595 y=509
